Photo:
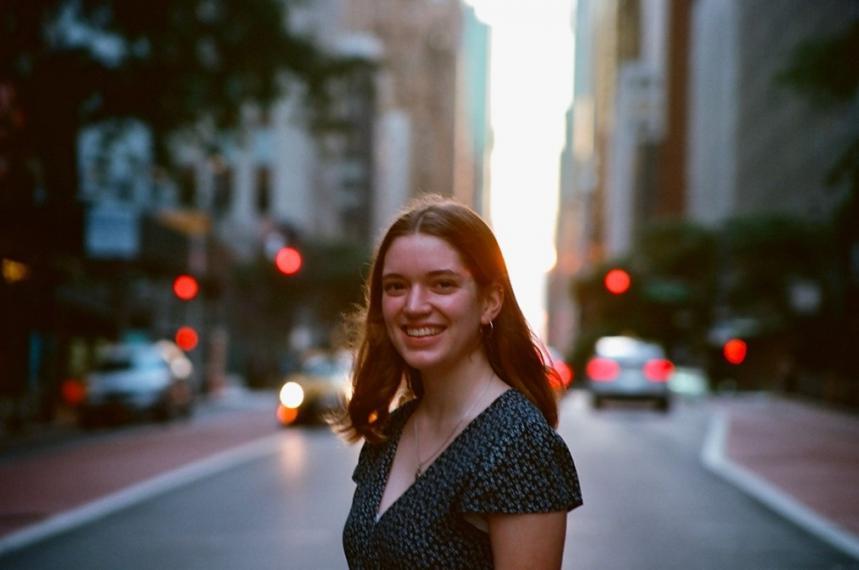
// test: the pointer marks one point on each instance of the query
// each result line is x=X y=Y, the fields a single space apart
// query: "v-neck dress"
x=507 y=460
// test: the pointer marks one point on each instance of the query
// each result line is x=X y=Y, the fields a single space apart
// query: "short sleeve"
x=532 y=471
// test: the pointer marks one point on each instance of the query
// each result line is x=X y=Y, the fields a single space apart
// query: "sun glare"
x=531 y=87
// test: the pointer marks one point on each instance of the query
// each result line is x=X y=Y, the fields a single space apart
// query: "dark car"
x=629 y=368
x=321 y=386
x=131 y=381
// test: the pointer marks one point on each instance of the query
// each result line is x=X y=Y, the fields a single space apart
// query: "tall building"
x=473 y=136
x=624 y=161
x=417 y=87
x=756 y=146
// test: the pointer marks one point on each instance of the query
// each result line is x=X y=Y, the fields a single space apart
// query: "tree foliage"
x=673 y=268
x=170 y=64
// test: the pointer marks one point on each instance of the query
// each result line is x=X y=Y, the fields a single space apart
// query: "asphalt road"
x=649 y=503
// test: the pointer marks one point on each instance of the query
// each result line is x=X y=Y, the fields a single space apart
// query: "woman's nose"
x=416 y=301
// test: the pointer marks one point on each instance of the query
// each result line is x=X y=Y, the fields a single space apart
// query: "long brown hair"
x=510 y=346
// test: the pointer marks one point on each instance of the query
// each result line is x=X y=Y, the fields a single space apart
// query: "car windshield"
x=116 y=360
x=627 y=349
x=112 y=363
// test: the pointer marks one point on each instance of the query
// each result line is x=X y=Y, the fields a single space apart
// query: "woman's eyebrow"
x=432 y=274
x=443 y=272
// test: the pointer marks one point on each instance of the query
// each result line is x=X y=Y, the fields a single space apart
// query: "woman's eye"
x=445 y=284
x=393 y=288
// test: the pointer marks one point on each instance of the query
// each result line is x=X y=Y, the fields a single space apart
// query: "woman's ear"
x=493 y=299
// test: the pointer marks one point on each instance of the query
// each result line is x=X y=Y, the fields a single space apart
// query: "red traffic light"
x=288 y=260
x=186 y=338
x=185 y=287
x=617 y=281
x=735 y=351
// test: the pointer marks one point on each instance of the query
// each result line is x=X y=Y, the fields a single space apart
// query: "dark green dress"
x=507 y=460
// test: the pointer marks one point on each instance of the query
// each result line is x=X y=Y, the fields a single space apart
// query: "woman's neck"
x=449 y=393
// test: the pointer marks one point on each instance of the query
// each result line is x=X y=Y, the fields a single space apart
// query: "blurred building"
x=680 y=112
x=407 y=123
x=417 y=95
x=624 y=160
x=755 y=146
x=473 y=142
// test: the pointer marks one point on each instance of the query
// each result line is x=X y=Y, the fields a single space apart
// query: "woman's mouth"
x=423 y=331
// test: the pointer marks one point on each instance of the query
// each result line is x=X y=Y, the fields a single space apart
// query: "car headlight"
x=291 y=395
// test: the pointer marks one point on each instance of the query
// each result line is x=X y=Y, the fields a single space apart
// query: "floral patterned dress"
x=507 y=460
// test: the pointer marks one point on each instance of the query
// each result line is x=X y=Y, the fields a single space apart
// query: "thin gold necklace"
x=420 y=468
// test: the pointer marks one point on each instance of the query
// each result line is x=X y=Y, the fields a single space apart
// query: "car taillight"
x=658 y=369
x=565 y=372
x=602 y=369
x=560 y=375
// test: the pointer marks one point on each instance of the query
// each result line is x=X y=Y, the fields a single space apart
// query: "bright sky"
x=531 y=88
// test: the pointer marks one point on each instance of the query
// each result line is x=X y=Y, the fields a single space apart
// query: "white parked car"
x=151 y=380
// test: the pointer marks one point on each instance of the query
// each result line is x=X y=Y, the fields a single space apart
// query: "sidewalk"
x=63 y=481
x=799 y=458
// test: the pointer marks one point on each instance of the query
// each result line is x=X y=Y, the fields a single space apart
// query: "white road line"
x=714 y=458
x=140 y=492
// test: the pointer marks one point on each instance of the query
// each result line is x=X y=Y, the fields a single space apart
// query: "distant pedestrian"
x=468 y=472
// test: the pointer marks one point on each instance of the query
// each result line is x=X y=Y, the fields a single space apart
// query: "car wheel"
x=598 y=402
x=165 y=411
x=663 y=405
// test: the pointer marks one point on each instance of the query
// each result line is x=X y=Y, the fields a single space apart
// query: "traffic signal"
x=186 y=338
x=617 y=281
x=735 y=351
x=186 y=287
x=288 y=260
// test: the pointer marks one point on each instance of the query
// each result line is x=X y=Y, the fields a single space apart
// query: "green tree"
x=670 y=300
x=171 y=65
x=824 y=71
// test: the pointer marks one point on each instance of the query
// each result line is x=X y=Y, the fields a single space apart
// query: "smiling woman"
x=471 y=459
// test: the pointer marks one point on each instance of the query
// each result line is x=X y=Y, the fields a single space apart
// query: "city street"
x=649 y=502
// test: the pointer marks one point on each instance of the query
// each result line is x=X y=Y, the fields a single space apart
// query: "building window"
x=223 y=195
x=188 y=186
x=263 y=189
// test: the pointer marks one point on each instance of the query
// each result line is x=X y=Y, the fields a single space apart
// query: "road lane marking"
x=714 y=458
x=139 y=492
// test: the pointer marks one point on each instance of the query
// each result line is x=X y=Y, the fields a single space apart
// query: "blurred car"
x=129 y=381
x=628 y=368
x=322 y=385
x=564 y=370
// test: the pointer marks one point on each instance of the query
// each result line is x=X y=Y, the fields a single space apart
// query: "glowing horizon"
x=530 y=91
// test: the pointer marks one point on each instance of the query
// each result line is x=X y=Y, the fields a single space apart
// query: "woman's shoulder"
x=518 y=413
x=522 y=463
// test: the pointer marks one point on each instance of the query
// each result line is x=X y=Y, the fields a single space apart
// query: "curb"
x=714 y=458
x=137 y=493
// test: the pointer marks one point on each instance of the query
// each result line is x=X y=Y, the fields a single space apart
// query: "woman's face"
x=431 y=304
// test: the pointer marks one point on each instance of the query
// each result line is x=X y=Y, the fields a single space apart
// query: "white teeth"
x=423 y=331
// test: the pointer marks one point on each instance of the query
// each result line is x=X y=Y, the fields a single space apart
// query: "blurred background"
x=708 y=149
x=211 y=175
